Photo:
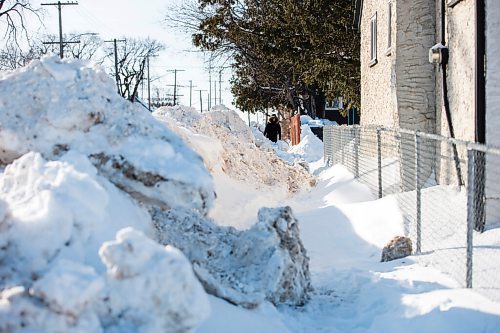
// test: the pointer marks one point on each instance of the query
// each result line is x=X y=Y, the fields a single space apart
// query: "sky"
x=117 y=19
x=80 y=252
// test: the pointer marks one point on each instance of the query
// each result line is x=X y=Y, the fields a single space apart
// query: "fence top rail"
x=469 y=144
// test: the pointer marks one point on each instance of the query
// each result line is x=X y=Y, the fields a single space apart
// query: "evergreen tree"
x=285 y=52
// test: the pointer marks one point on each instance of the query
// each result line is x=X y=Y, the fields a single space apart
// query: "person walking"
x=273 y=129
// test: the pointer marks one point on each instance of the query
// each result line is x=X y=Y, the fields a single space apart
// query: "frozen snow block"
x=265 y=262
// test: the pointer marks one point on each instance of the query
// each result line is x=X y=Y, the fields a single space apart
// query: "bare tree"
x=78 y=46
x=12 y=56
x=86 y=49
x=132 y=57
x=13 y=18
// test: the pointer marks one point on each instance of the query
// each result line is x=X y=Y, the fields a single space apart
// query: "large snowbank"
x=239 y=157
x=79 y=166
x=53 y=106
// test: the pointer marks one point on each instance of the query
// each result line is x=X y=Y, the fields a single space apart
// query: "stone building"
x=401 y=88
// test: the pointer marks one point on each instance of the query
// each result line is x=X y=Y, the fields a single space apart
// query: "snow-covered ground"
x=81 y=170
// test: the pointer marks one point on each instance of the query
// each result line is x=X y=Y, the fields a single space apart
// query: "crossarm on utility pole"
x=59 y=4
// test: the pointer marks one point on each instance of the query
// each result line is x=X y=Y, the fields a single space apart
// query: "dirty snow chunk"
x=68 y=287
x=266 y=262
x=59 y=209
x=20 y=312
x=73 y=106
x=398 y=247
x=150 y=288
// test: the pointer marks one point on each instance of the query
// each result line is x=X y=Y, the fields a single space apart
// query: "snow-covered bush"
x=266 y=262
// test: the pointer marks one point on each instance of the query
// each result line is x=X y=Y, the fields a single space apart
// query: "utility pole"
x=59 y=4
x=175 y=83
x=201 y=100
x=149 y=80
x=190 y=92
x=220 y=87
x=209 y=84
x=117 y=78
x=149 y=87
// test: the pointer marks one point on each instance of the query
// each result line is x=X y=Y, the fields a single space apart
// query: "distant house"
x=400 y=87
x=334 y=111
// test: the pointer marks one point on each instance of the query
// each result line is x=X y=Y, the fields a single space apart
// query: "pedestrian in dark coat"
x=273 y=129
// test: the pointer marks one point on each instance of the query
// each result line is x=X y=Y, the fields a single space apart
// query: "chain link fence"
x=448 y=192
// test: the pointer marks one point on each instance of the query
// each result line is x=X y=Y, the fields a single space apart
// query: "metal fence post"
x=479 y=189
x=418 y=192
x=342 y=145
x=379 y=155
x=326 y=144
x=356 y=151
x=470 y=214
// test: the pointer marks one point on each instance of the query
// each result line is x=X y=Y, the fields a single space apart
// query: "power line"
x=59 y=7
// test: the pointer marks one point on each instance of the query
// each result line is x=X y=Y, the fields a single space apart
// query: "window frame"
x=389 y=28
x=373 y=40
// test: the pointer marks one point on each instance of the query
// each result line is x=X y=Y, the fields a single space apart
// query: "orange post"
x=295 y=129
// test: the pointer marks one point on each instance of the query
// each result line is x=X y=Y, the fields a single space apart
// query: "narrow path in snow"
x=344 y=229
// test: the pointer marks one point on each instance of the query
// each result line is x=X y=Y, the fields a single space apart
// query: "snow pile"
x=239 y=157
x=310 y=146
x=55 y=210
x=81 y=164
x=148 y=288
x=170 y=299
x=71 y=106
x=266 y=262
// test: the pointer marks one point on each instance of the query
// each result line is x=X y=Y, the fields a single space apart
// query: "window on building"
x=389 y=27
x=373 y=34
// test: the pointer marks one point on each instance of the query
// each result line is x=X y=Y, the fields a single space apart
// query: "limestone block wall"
x=415 y=80
x=415 y=76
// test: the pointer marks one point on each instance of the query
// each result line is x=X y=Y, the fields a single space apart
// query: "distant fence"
x=448 y=192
